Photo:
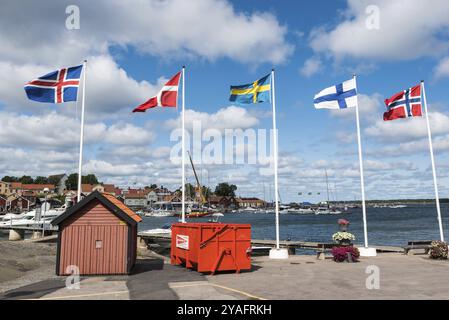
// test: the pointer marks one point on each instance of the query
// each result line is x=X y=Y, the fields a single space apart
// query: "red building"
x=98 y=235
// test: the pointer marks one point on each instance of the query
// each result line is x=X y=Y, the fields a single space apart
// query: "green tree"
x=207 y=192
x=26 y=179
x=153 y=186
x=225 y=189
x=72 y=181
x=53 y=180
x=41 y=180
x=89 y=179
x=10 y=179
x=190 y=190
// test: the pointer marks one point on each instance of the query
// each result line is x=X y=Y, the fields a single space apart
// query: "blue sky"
x=132 y=50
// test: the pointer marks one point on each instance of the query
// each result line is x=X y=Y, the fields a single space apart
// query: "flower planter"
x=344 y=242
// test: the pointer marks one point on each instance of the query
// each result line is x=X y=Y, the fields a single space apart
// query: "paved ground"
x=299 y=277
x=304 y=277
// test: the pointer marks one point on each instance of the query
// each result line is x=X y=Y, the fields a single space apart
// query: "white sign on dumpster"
x=182 y=242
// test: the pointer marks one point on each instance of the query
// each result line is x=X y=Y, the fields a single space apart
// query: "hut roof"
x=109 y=201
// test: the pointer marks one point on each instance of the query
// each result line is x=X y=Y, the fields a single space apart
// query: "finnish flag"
x=340 y=96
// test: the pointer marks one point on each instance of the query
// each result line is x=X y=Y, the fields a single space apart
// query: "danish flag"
x=404 y=104
x=55 y=87
x=167 y=97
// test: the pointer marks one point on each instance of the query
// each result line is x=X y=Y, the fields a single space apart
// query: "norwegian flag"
x=404 y=104
x=167 y=97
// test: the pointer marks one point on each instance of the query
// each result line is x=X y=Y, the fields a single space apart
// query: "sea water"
x=386 y=226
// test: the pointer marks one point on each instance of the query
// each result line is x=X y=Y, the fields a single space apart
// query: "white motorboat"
x=216 y=216
x=398 y=206
x=166 y=230
x=300 y=211
x=322 y=210
x=161 y=209
x=31 y=218
x=248 y=210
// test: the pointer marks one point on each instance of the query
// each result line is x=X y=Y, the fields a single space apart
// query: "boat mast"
x=327 y=186
x=200 y=191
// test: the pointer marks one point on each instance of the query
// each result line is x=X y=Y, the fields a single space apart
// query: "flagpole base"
x=367 y=252
x=278 y=254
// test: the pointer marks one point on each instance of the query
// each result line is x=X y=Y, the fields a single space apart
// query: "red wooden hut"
x=98 y=235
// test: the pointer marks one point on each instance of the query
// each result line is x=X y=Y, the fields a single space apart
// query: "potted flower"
x=438 y=250
x=343 y=224
x=343 y=238
x=349 y=254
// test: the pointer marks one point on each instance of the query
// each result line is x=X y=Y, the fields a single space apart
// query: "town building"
x=135 y=200
x=5 y=188
x=31 y=189
x=250 y=203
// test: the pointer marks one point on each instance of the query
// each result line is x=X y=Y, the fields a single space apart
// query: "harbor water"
x=386 y=226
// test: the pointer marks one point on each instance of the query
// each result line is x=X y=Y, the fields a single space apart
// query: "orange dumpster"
x=211 y=247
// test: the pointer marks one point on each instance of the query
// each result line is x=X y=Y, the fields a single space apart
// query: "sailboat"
x=327 y=209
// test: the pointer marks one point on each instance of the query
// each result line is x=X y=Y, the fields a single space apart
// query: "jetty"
x=18 y=232
x=266 y=244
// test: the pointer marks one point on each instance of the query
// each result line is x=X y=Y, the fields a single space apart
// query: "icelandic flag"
x=340 y=96
x=407 y=103
x=167 y=96
x=55 y=87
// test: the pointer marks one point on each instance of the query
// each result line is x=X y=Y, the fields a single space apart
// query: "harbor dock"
x=260 y=244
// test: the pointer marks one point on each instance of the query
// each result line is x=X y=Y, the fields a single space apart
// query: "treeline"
x=71 y=183
x=223 y=189
x=29 y=179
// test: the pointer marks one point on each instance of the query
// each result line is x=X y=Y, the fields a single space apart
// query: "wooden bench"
x=322 y=248
x=419 y=244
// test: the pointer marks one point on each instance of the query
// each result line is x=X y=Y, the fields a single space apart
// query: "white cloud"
x=442 y=69
x=208 y=29
x=311 y=66
x=409 y=129
x=56 y=131
x=231 y=117
x=18 y=161
x=369 y=106
x=440 y=144
x=408 y=30
x=105 y=168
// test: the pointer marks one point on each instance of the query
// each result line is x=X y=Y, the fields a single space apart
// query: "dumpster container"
x=211 y=247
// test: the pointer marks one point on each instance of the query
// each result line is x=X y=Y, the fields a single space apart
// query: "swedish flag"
x=258 y=91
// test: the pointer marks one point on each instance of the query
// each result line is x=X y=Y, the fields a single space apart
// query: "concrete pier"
x=36 y=235
x=16 y=234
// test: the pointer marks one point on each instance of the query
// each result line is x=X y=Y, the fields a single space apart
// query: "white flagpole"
x=275 y=160
x=435 y=184
x=183 y=187
x=362 y=182
x=80 y=162
x=276 y=253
